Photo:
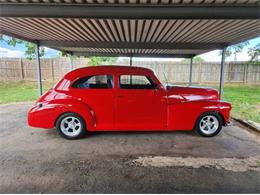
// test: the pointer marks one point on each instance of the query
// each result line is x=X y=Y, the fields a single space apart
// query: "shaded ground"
x=38 y=160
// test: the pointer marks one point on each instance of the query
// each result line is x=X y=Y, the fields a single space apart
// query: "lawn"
x=245 y=99
x=20 y=91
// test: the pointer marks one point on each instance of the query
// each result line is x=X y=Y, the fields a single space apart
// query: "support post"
x=131 y=61
x=38 y=69
x=190 y=76
x=71 y=62
x=222 y=73
x=131 y=64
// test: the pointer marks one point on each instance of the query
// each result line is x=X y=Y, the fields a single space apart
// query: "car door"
x=97 y=92
x=140 y=104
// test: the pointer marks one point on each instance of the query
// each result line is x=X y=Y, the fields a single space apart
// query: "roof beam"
x=134 y=45
x=88 y=54
x=129 y=12
x=17 y=36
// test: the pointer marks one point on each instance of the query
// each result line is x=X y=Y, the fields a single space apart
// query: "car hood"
x=192 y=93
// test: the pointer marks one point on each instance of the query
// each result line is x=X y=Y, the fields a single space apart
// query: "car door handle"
x=120 y=96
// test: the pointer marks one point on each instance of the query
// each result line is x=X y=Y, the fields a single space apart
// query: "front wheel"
x=209 y=124
x=71 y=126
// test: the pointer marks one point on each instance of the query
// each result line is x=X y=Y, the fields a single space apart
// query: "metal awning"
x=135 y=28
x=154 y=28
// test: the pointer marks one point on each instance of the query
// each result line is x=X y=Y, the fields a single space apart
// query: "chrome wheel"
x=209 y=124
x=71 y=126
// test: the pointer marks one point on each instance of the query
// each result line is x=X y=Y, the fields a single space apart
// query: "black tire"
x=199 y=120
x=80 y=132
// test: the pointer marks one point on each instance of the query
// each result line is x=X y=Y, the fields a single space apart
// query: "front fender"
x=183 y=115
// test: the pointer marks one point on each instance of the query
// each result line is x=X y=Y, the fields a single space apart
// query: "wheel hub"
x=70 y=126
x=209 y=124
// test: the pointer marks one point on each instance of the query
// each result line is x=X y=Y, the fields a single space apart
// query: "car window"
x=95 y=82
x=136 y=82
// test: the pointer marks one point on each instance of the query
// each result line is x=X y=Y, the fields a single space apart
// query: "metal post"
x=222 y=73
x=190 y=78
x=131 y=61
x=71 y=62
x=38 y=69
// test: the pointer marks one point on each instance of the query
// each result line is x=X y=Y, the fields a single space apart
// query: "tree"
x=30 y=51
x=93 y=61
x=196 y=59
x=30 y=47
x=254 y=53
x=235 y=49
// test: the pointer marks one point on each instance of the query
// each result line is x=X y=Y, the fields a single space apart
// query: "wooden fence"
x=176 y=72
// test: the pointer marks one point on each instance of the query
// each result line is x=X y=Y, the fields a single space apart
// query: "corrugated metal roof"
x=156 y=37
x=137 y=2
x=131 y=52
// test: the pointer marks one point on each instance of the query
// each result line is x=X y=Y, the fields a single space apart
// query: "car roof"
x=108 y=69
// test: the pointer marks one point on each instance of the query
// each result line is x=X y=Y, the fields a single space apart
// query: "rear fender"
x=78 y=107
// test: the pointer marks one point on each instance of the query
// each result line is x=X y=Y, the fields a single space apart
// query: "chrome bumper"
x=229 y=124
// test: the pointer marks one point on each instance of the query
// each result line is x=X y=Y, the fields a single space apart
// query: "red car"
x=116 y=98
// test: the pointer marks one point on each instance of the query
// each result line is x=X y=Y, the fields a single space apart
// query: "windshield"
x=163 y=81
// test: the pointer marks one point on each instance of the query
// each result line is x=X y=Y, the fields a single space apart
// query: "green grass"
x=20 y=91
x=245 y=99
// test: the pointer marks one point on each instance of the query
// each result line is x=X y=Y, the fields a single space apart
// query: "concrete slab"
x=39 y=160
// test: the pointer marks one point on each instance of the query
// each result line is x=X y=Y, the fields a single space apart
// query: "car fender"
x=78 y=107
x=183 y=115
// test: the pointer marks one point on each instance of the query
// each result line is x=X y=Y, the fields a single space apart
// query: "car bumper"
x=43 y=116
x=229 y=124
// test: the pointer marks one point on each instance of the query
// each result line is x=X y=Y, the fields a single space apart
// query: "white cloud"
x=8 y=53
x=214 y=56
x=242 y=56
x=210 y=56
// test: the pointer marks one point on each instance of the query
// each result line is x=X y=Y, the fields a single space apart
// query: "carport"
x=132 y=28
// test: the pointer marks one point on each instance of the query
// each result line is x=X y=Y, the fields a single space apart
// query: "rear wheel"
x=71 y=126
x=209 y=124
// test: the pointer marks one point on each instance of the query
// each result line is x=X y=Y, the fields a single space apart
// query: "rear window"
x=95 y=82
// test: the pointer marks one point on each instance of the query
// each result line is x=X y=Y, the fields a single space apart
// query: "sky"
x=19 y=49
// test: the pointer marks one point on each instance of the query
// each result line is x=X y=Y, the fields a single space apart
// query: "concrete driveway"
x=40 y=161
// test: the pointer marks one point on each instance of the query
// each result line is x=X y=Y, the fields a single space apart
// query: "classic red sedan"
x=117 y=98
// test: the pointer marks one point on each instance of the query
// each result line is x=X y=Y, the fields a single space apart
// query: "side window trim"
x=153 y=84
x=109 y=77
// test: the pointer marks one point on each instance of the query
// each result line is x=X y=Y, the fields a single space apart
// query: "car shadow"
x=54 y=133
x=129 y=133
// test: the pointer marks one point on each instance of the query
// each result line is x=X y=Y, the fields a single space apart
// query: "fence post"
x=22 y=68
x=190 y=76
x=52 y=70
x=229 y=68
x=71 y=62
x=245 y=73
x=200 y=72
